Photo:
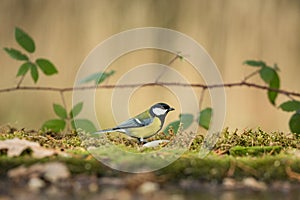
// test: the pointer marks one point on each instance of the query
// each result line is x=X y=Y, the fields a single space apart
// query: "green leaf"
x=185 y=119
x=290 y=106
x=46 y=66
x=24 y=40
x=92 y=77
x=83 y=124
x=76 y=110
x=294 y=123
x=267 y=74
x=24 y=68
x=274 y=83
x=55 y=125
x=15 y=54
x=270 y=76
x=60 y=111
x=205 y=118
x=34 y=73
x=174 y=125
x=103 y=77
x=97 y=77
x=254 y=63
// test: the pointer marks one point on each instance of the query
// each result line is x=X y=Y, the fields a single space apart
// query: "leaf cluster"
x=294 y=122
x=27 y=43
x=47 y=67
x=270 y=76
x=186 y=120
x=59 y=124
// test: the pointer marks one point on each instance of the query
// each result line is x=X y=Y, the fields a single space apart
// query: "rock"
x=283 y=186
x=109 y=193
x=93 y=187
x=254 y=184
x=229 y=183
x=148 y=187
x=112 y=181
x=35 y=184
x=55 y=171
x=16 y=146
x=52 y=171
x=53 y=191
x=17 y=173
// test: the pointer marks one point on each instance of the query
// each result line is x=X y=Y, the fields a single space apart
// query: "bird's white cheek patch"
x=159 y=111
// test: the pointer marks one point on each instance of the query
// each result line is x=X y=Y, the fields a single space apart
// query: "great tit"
x=145 y=124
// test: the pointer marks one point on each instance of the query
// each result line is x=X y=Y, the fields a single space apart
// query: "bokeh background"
x=231 y=31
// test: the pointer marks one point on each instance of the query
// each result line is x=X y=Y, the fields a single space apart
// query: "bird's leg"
x=142 y=140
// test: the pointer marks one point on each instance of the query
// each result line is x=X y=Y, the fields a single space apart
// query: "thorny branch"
x=195 y=85
x=203 y=87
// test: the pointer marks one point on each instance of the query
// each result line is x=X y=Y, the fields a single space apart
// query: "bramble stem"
x=199 y=85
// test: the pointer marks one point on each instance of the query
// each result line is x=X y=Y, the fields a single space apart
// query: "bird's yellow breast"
x=146 y=131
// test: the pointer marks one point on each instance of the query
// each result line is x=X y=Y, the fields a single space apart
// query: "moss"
x=267 y=168
x=252 y=153
x=255 y=150
x=250 y=137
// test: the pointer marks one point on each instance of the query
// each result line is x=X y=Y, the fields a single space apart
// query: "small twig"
x=251 y=75
x=201 y=97
x=65 y=106
x=169 y=63
x=290 y=97
x=63 y=99
x=20 y=81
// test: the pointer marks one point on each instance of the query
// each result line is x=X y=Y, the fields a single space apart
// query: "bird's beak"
x=170 y=109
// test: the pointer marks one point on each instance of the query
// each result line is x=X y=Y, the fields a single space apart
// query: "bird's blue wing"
x=134 y=123
x=141 y=120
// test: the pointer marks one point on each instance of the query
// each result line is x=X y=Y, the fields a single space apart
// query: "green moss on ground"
x=189 y=166
x=254 y=150
x=254 y=153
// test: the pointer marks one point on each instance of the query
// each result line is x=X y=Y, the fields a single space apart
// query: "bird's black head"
x=160 y=109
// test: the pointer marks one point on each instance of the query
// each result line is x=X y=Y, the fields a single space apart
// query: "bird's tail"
x=110 y=131
x=100 y=132
x=105 y=131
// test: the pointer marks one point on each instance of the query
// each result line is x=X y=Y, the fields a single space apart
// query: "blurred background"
x=231 y=31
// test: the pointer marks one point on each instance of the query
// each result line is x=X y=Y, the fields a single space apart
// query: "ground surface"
x=251 y=164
